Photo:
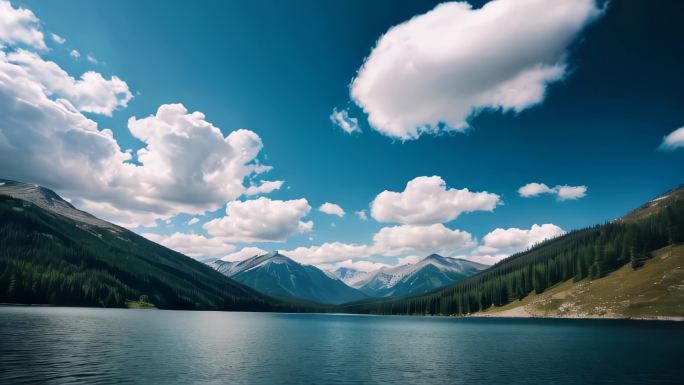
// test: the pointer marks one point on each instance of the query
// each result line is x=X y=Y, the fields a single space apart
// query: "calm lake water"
x=81 y=345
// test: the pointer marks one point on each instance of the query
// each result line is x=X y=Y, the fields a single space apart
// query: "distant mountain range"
x=53 y=253
x=429 y=274
x=277 y=275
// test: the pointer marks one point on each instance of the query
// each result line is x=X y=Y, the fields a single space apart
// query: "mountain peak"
x=436 y=257
x=49 y=200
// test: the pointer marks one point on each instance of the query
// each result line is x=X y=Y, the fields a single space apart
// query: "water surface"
x=82 y=345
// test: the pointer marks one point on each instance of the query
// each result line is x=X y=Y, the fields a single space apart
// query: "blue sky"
x=279 y=69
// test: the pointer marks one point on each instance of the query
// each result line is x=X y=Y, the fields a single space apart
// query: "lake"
x=83 y=345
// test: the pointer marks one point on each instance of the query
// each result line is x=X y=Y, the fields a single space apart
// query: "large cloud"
x=261 y=220
x=388 y=242
x=193 y=245
x=429 y=74
x=562 y=192
x=426 y=200
x=91 y=93
x=422 y=240
x=185 y=164
x=20 y=26
x=512 y=240
x=673 y=140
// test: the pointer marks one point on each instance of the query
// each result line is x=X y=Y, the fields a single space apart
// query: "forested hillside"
x=50 y=258
x=588 y=253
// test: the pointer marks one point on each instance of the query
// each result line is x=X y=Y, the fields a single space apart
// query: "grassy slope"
x=652 y=291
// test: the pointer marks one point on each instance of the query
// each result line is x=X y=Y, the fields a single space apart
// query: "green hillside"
x=50 y=258
x=588 y=254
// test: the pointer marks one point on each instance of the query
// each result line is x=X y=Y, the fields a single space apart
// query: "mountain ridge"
x=278 y=275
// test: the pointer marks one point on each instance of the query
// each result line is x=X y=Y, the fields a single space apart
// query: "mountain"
x=425 y=276
x=277 y=275
x=582 y=269
x=53 y=253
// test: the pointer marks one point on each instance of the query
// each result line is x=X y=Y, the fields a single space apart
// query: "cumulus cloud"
x=331 y=209
x=192 y=245
x=185 y=164
x=423 y=240
x=430 y=74
x=673 y=140
x=20 y=26
x=426 y=200
x=328 y=253
x=388 y=242
x=193 y=221
x=562 y=192
x=91 y=93
x=244 y=253
x=92 y=59
x=57 y=39
x=342 y=120
x=261 y=220
x=512 y=240
x=361 y=214
x=75 y=54
x=264 y=187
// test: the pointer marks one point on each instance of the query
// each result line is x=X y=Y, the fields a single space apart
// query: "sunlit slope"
x=655 y=290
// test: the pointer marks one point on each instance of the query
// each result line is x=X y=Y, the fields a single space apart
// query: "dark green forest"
x=46 y=258
x=589 y=253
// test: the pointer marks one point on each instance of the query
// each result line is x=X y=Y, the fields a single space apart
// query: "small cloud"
x=563 y=193
x=92 y=59
x=331 y=209
x=673 y=140
x=75 y=54
x=57 y=39
x=193 y=221
x=362 y=215
x=344 y=121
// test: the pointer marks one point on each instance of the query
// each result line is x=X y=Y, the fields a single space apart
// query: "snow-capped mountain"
x=427 y=275
x=280 y=276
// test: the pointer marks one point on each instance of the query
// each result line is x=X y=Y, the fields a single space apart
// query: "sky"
x=345 y=133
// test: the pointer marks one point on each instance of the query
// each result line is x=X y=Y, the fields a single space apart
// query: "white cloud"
x=362 y=215
x=261 y=220
x=328 y=253
x=562 y=192
x=512 y=240
x=20 y=26
x=192 y=245
x=431 y=73
x=192 y=221
x=673 y=140
x=244 y=253
x=426 y=200
x=534 y=189
x=185 y=164
x=57 y=39
x=92 y=59
x=265 y=187
x=91 y=93
x=344 y=121
x=422 y=240
x=331 y=209
x=75 y=54
x=570 y=192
